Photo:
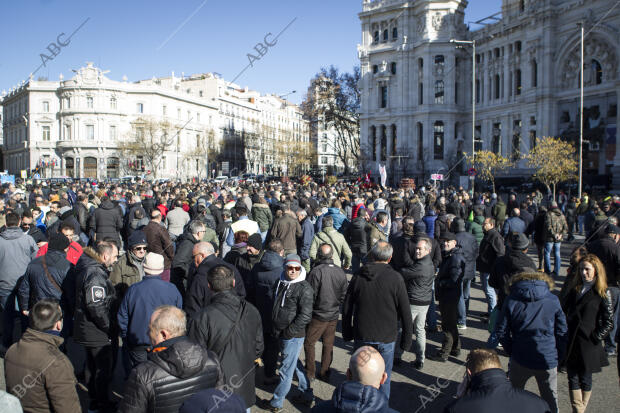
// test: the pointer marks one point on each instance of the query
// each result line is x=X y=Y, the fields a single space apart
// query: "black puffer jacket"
x=107 y=221
x=419 y=278
x=95 y=300
x=211 y=327
x=83 y=216
x=175 y=371
x=36 y=234
x=329 y=283
x=244 y=262
x=609 y=253
x=469 y=246
x=36 y=285
x=356 y=235
x=450 y=275
x=292 y=307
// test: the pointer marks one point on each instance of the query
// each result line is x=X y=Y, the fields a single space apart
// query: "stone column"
x=615 y=169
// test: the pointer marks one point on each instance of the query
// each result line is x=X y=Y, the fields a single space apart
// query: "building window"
x=439 y=92
x=394 y=140
x=46 y=133
x=324 y=148
x=375 y=37
x=112 y=103
x=67 y=132
x=164 y=110
x=598 y=72
x=178 y=113
x=113 y=134
x=438 y=136
x=393 y=68
x=497 y=138
x=516 y=140
x=46 y=107
x=383 y=143
x=456 y=93
x=90 y=132
x=532 y=139
x=394 y=33
x=518 y=82
x=375 y=69
x=534 y=73
x=477 y=90
x=140 y=108
x=384 y=96
x=497 y=86
x=385 y=35
x=197 y=117
x=456 y=130
x=373 y=139
x=89 y=102
x=439 y=64
x=323 y=160
x=421 y=93
x=521 y=6
x=67 y=103
x=200 y=93
x=478 y=139
x=518 y=47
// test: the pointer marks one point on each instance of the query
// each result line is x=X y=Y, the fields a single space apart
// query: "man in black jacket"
x=448 y=290
x=488 y=390
x=356 y=235
x=469 y=246
x=176 y=367
x=376 y=301
x=292 y=311
x=231 y=328
x=183 y=260
x=266 y=275
x=329 y=283
x=198 y=293
x=94 y=325
x=491 y=247
x=419 y=278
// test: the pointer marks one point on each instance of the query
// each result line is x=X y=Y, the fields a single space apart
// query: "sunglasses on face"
x=293 y=268
x=140 y=249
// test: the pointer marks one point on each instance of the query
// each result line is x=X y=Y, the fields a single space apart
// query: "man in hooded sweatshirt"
x=292 y=311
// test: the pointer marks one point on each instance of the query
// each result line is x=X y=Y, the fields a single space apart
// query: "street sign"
x=472 y=172
x=437 y=177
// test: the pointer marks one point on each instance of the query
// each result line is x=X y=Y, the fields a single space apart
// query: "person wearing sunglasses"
x=129 y=269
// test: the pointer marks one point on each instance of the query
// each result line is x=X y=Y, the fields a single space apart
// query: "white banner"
x=383 y=174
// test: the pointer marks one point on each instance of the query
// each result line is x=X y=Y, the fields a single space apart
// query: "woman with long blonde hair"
x=589 y=316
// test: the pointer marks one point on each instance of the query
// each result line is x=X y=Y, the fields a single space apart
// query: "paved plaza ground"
x=431 y=389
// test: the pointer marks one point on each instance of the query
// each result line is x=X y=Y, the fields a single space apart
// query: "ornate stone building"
x=417 y=85
x=77 y=127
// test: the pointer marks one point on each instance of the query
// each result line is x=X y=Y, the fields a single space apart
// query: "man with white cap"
x=138 y=305
x=292 y=311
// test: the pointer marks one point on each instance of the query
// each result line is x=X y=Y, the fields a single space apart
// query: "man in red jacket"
x=75 y=250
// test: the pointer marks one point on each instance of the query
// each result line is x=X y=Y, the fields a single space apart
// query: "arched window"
x=386 y=35
x=383 y=143
x=439 y=92
x=394 y=140
x=395 y=33
x=373 y=138
x=598 y=72
x=438 y=139
x=420 y=141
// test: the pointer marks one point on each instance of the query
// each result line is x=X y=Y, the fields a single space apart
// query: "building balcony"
x=86 y=144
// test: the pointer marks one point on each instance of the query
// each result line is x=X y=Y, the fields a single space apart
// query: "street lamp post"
x=473 y=101
x=581 y=117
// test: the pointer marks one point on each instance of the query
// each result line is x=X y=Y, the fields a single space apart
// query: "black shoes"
x=418 y=364
x=455 y=353
x=438 y=357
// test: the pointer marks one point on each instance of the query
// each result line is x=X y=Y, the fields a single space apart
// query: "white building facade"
x=417 y=85
x=76 y=127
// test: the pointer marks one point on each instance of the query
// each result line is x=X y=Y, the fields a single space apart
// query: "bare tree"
x=333 y=105
x=149 y=139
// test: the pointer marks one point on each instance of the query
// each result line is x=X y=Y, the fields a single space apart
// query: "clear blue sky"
x=142 y=39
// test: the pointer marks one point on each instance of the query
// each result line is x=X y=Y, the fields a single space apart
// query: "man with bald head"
x=360 y=393
x=198 y=292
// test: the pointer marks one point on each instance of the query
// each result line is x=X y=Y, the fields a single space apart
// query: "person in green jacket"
x=261 y=213
x=499 y=212
x=475 y=227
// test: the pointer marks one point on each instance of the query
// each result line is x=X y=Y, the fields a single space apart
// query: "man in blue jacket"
x=532 y=328
x=137 y=307
x=360 y=393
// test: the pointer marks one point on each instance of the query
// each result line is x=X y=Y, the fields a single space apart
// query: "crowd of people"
x=193 y=288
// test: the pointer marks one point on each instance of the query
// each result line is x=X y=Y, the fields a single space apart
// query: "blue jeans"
x=356 y=262
x=581 y=219
x=431 y=315
x=10 y=317
x=387 y=352
x=463 y=302
x=610 y=340
x=291 y=365
x=556 y=254
x=489 y=291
